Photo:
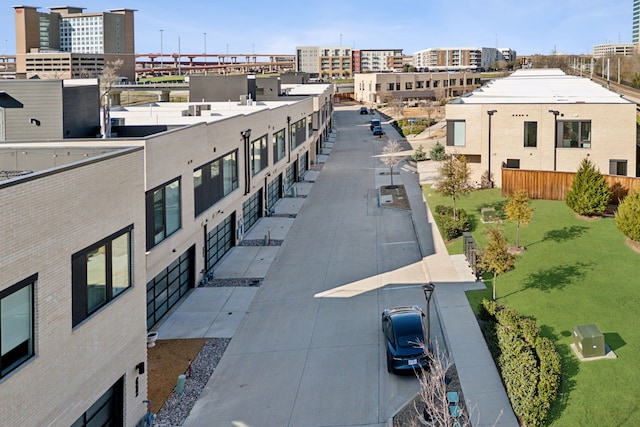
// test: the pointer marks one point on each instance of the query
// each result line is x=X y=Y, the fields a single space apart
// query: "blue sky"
x=569 y=26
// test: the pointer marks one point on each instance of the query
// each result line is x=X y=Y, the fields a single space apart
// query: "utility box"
x=589 y=340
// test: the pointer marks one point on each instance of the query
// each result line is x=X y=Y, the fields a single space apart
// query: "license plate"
x=413 y=362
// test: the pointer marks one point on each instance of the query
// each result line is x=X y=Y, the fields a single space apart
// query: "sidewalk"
x=218 y=312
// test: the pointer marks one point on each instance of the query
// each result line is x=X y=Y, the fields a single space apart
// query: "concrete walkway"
x=318 y=282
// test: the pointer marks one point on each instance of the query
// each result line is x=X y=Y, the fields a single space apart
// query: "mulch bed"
x=167 y=360
x=399 y=194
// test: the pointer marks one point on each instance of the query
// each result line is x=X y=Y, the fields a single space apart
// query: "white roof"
x=542 y=86
x=171 y=113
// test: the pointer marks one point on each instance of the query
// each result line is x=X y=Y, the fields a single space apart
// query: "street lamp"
x=555 y=136
x=490 y=113
x=428 y=289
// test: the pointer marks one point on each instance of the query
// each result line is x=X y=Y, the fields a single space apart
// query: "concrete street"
x=307 y=346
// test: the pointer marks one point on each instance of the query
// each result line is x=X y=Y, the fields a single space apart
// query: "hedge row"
x=529 y=364
x=449 y=227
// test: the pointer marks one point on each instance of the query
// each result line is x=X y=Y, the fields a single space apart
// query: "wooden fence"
x=554 y=185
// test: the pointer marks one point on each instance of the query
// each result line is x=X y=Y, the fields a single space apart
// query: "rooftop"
x=542 y=86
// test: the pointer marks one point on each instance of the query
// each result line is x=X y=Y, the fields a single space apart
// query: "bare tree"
x=107 y=79
x=432 y=407
x=390 y=156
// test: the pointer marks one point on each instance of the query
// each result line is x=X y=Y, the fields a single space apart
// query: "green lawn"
x=574 y=271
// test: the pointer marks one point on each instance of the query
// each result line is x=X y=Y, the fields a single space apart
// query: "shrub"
x=437 y=152
x=589 y=193
x=450 y=227
x=529 y=364
x=419 y=155
x=628 y=216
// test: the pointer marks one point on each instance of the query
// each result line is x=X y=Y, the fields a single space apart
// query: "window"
x=574 y=134
x=100 y=273
x=408 y=85
x=298 y=135
x=310 y=126
x=530 y=134
x=419 y=84
x=618 y=167
x=279 y=146
x=108 y=410
x=16 y=324
x=398 y=86
x=456 y=133
x=436 y=83
x=390 y=86
x=259 y=158
x=513 y=164
x=427 y=84
x=214 y=180
x=163 y=211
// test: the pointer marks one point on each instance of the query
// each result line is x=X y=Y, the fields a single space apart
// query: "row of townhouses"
x=101 y=237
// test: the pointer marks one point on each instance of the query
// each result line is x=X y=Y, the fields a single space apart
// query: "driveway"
x=309 y=352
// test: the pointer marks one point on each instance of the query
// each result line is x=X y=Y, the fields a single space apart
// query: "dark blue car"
x=404 y=334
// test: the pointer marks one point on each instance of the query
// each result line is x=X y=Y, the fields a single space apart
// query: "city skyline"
x=571 y=26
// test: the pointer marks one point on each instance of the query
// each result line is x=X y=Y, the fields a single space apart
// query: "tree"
x=628 y=216
x=107 y=79
x=453 y=180
x=419 y=155
x=589 y=193
x=517 y=209
x=495 y=257
x=431 y=405
x=437 y=152
x=390 y=156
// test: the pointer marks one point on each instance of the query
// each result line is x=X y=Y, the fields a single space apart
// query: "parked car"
x=364 y=110
x=404 y=333
x=374 y=123
x=378 y=130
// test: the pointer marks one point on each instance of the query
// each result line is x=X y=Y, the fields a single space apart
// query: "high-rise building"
x=324 y=61
x=635 y=32
x=66 y=42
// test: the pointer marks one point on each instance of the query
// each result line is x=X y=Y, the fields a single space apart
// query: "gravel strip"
x=227 y=283
x=260 y=242
x=177 y=408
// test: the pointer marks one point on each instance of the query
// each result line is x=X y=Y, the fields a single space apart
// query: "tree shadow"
x=570 y=369
x=554 y=278
x=563 y=234
x=613 y=340
x=566 y=233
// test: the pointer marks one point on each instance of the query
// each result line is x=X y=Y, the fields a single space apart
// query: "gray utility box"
x=589 y=340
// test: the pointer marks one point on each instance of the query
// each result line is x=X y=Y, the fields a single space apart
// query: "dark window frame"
x=151 y=223
x=531 y=134
x=259 y=154
x=79 y=260
x=279 y=145
x=22 y=353
x=209 y=187
x=451 y=135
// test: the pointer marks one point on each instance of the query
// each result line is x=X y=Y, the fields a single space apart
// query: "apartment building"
x=377 y=88
x=635 y=30
x=542 y=119
x=67 y=43
x=103 y=237
x=611 y=49
x=460 y=58
x=324 y=61
x=377 y=60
